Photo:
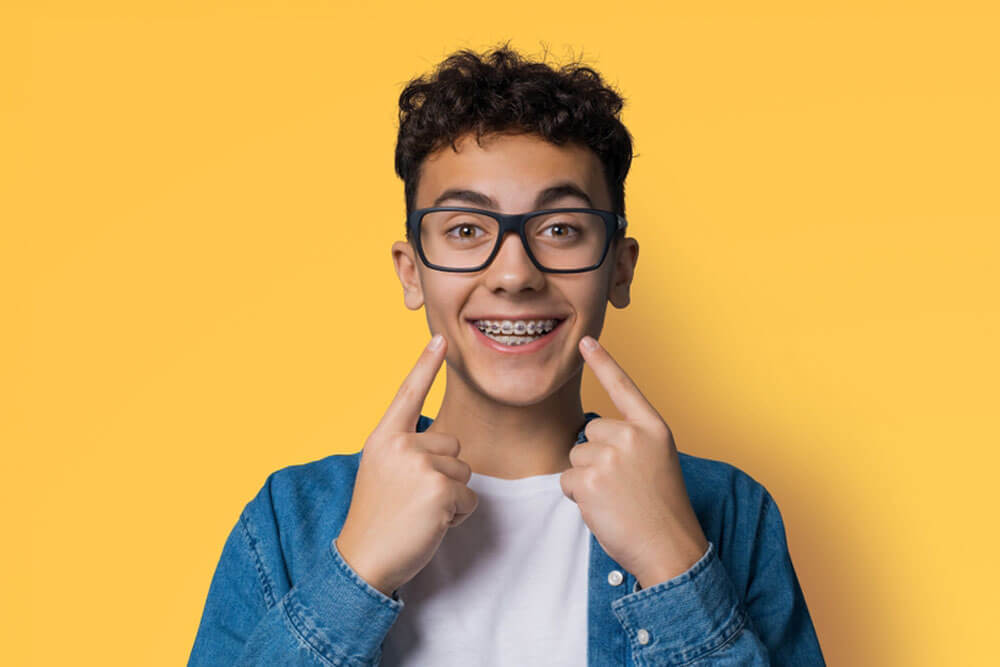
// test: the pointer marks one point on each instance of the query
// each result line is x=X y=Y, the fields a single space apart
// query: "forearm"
x=695 y=616
x=331 y=616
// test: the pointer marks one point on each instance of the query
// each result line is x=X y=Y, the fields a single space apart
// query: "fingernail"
x=435 y=342
x=589 y=343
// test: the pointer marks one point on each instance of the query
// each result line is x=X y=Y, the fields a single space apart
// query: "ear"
x=405 y=259
x=626 y=254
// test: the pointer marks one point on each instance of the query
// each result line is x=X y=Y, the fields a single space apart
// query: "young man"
x=514 y=528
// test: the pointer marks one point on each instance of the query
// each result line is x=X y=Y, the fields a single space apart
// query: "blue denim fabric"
x=283 y=595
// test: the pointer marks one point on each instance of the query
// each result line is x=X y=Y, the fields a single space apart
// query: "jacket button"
x=615 y=577
x=643 y=636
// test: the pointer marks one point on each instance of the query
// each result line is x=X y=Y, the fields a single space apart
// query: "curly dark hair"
x=504 y=92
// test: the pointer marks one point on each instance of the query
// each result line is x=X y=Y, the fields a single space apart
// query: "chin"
x=519 y=389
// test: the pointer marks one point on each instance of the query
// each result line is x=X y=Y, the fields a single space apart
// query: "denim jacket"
x=283 y=595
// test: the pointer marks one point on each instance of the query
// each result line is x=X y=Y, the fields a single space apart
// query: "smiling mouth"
x=513 y=333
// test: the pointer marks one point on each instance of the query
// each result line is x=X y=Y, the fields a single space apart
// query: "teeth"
x=513 y=340
x=515 y=332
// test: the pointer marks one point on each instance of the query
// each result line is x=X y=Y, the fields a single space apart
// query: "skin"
x=515 y=415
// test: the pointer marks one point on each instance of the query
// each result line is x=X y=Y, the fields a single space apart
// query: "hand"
x=627 y=481
x=410 y=488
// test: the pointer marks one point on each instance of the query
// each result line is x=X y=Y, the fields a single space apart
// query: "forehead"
x=510 y=168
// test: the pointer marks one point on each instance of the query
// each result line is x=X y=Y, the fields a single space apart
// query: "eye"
x=464 y=230
x=564 y=230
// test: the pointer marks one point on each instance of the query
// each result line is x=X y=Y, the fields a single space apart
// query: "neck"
x=511 y=441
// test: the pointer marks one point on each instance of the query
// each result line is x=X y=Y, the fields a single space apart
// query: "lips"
x=514 y=318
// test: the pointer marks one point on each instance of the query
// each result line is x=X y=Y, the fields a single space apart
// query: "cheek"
x=589 y=300
x=443 y=300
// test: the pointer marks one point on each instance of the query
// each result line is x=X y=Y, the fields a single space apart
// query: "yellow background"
x=197 y=203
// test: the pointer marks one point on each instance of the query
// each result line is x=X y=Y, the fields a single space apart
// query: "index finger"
x=623 y=391
x=404 y=411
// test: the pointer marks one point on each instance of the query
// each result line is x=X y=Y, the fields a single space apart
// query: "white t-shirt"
x=508 y=586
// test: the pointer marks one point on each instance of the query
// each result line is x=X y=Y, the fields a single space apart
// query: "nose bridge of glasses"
x=509 y=234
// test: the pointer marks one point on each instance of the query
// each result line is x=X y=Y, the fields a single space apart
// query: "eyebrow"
x=545 y=197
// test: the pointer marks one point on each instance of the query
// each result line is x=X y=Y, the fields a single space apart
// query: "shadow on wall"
x=830 y=560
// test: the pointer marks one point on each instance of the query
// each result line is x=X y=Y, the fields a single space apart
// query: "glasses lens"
x=566 y=240
x=562 y=240
x=457 y=239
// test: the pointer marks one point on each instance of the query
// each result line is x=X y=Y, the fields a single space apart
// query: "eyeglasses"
x=556 y=240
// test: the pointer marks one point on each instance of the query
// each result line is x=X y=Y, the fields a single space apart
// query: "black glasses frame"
x=514 y=222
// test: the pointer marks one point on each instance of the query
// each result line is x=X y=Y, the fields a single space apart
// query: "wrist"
x=681 y=561
x=362 y=568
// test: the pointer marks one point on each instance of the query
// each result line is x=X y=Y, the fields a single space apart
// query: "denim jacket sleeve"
x=700 y=618
x=330 y=616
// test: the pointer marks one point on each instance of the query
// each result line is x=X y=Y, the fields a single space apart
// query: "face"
x=512 y=169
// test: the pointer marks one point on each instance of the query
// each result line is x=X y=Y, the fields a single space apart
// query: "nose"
x=512 y=270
